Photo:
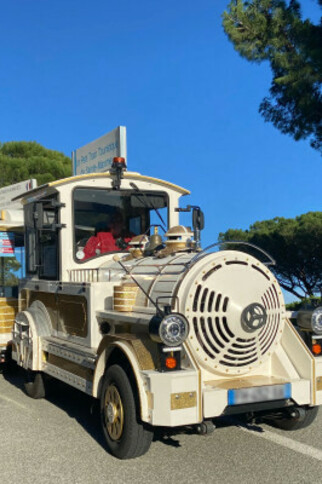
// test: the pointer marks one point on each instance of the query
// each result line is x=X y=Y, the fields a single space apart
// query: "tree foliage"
x=22 y=160
x=9 y=266
x=296 y=246
x=273 y=31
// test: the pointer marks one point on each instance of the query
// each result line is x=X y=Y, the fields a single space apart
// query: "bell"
x=155 y=240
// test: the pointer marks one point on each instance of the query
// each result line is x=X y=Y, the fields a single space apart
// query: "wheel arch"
x=121 y=353
x=37 y=324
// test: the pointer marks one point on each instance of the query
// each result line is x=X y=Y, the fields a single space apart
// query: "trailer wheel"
x=35 y=384
x=125 y=435
x=298 y=418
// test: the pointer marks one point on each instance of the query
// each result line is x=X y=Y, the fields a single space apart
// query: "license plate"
x=259 y=394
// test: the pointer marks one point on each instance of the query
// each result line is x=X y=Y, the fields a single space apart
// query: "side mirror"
x=198 y=218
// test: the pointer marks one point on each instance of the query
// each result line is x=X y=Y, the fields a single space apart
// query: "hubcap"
x=114 y=415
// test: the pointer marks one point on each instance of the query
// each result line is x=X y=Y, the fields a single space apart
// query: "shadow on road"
x=85 y=410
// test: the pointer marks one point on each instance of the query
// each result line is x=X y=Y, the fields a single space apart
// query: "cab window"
x=106 y=220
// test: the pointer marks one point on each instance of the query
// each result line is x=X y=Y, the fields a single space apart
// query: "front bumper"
x=178 y=398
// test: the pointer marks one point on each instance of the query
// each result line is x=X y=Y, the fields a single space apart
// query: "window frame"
x=36 y=230
x=125 y=190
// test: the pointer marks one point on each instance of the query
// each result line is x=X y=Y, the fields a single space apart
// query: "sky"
x=71 y=71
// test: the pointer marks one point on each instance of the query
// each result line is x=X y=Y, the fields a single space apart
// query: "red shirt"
x=101 y=243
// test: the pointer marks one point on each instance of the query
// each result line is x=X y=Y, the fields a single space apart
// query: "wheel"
x=35 y=384
x=298 y=418
x=125 y=435
x=9 y=365
x=206 y=427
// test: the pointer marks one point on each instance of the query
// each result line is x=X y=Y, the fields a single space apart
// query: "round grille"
x=218 y=294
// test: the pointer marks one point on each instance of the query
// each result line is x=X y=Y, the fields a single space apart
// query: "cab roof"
x=126 y=175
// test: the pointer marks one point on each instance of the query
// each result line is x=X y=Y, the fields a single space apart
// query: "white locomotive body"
x=162 y=334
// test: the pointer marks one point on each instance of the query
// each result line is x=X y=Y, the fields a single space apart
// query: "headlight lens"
x=173 y=329
x=316 y=320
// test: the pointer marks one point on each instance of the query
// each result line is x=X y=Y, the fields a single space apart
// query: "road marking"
x=304 y=449
x=9 y=400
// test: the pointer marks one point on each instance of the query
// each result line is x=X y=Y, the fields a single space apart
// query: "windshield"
x=106 y=220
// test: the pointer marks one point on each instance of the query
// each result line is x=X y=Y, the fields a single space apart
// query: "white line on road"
x=286 y=442
x=9 y=400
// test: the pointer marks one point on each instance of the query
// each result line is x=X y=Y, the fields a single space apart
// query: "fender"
x=130 y=351
x=30 y=326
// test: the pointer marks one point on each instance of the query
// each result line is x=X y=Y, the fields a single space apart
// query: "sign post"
x=98 y=155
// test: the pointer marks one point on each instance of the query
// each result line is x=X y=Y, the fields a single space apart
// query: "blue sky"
x=70 y=71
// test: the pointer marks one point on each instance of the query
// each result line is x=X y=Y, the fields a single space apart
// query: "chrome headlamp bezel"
x=316 y=320
x=171 y=330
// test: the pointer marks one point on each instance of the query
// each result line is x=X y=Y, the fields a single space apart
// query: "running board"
x=70 y=378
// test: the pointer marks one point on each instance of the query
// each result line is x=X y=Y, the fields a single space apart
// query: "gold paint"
x=8 y=300
x=69 y=311
x=145 y=350
x=150 y=400
x=143 y=354
x=122 y=308
x=6 y=330
x=319 y=383
x=246 y=382
x=113 y=412
x=8 y=311
x=71 y=367
x=183 y=400
x=125 y=297
x=72 y=314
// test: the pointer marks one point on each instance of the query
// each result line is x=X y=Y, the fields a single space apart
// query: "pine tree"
x=296 y=246
x=22 y=160
x=273 y=31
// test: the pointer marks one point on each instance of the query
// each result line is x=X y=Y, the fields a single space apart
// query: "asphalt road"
x=59 y=440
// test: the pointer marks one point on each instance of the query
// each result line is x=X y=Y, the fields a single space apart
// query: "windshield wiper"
x=148 y=204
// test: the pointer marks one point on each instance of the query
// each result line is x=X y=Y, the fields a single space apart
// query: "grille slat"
x=211 y=301
x=214 y=335
x=203 y=300
x=196 y=298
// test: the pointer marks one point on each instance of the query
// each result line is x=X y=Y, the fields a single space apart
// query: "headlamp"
x=316 y=320
x=172 y=330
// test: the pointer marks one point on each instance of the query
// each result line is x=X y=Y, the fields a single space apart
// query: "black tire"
x=35 y=384
x=126 y=436
x=9 y=365
x=304 y=416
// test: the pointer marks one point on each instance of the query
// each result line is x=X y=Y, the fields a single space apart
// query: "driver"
x=112 y=239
